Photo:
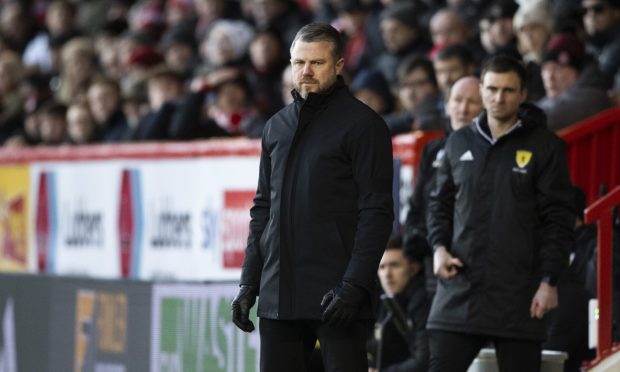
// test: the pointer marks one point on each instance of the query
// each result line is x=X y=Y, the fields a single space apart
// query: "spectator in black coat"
x=400 y=342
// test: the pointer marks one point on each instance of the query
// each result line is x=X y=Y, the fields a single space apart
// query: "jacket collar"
x=529 y=116
x=317 y=99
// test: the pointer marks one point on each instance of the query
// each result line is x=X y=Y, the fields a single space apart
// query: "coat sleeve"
x=418 y=341
x=415 y=225
x=259 y=216
x=554 y=199
x=372 y=164
x=440 y=215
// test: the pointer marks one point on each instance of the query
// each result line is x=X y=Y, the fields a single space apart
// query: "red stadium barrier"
x=601 y=212
x=594 y=152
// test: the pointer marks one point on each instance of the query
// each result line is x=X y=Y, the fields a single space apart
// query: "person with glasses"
x=419 y=98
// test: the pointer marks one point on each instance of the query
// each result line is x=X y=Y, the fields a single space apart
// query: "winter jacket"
x=504 y=208
x=323 y=207
x=408 y=352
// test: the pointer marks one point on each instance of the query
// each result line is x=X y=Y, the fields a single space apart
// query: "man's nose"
x=308 y=69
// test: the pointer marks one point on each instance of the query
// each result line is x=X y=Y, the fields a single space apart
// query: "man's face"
x=414 y=87
x=465 y=103
x=557 y=78
x=314 y=67
x=502 y=93
x=532 y=37
x=598 y=16
x=448 y=71
x=396 y=35
x=447 y=28
x=394 y=271
x=103 y=101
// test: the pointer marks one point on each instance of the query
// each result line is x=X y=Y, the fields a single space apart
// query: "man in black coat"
x=500 y=223
x=321 y=217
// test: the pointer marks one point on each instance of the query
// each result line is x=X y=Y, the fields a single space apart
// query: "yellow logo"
x=523 y=158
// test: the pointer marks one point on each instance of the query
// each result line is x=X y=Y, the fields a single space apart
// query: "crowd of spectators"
x=78 y=72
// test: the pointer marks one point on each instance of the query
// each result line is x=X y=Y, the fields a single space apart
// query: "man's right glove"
x=241 y=306
x=342 y=303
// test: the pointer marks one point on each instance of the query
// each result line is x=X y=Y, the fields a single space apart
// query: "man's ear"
x=339 y=66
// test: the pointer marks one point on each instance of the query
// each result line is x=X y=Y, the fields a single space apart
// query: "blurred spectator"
x=464 y=104
x=78 y=66
x=52 y=123
x=268 y=60
x=147 y=16
x=209 y=11
x=180 y=13
x=287 y=85
x=402 y=37
x=107 y=42
x=496 y=31
x=180 y=50
x=104 y=99
x=229 y=111
x=533 y=23
x=574 y=87
x=16 y=26
x=601 y=21
x=165 y=89
x=448 y=27
x=226 y=44
x=359 y=26
x=61 y=22
x=81 y=126
x=283 y=16
x=419 y=98
x=370 y=87
x=402 y=342
x=451 y=63
x=11 y=101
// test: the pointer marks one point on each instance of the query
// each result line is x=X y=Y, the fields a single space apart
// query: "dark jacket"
x=504 y=208
x=415 y=234
x=323 y=208
x=585 y=98
x=408 y=352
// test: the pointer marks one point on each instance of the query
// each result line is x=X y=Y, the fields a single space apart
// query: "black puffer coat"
x=323 y=207
x=504 y=208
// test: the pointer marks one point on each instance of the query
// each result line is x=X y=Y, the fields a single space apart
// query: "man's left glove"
x=241 y=306
x=342 y=303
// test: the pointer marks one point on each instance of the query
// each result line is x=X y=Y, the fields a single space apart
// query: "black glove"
x=241 y=306
x=342 y=304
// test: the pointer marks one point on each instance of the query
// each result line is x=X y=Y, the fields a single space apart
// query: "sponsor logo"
x=13 y=226
x=523 y=158
x=209 y=229
x=467 y=156
x=172 y=229
x=196 y=334
x=235 y=226
x=100 y=330
x=44 y=221
x=8 y=350
x=85 y=228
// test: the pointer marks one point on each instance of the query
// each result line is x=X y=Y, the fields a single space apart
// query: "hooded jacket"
x=323 y=207
x=504 y=208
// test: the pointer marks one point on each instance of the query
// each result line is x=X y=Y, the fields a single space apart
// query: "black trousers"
x=454 y=352
x=287 y=345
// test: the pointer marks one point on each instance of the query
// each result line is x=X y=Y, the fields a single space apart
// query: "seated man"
x=399 y=342
x=575 y=89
